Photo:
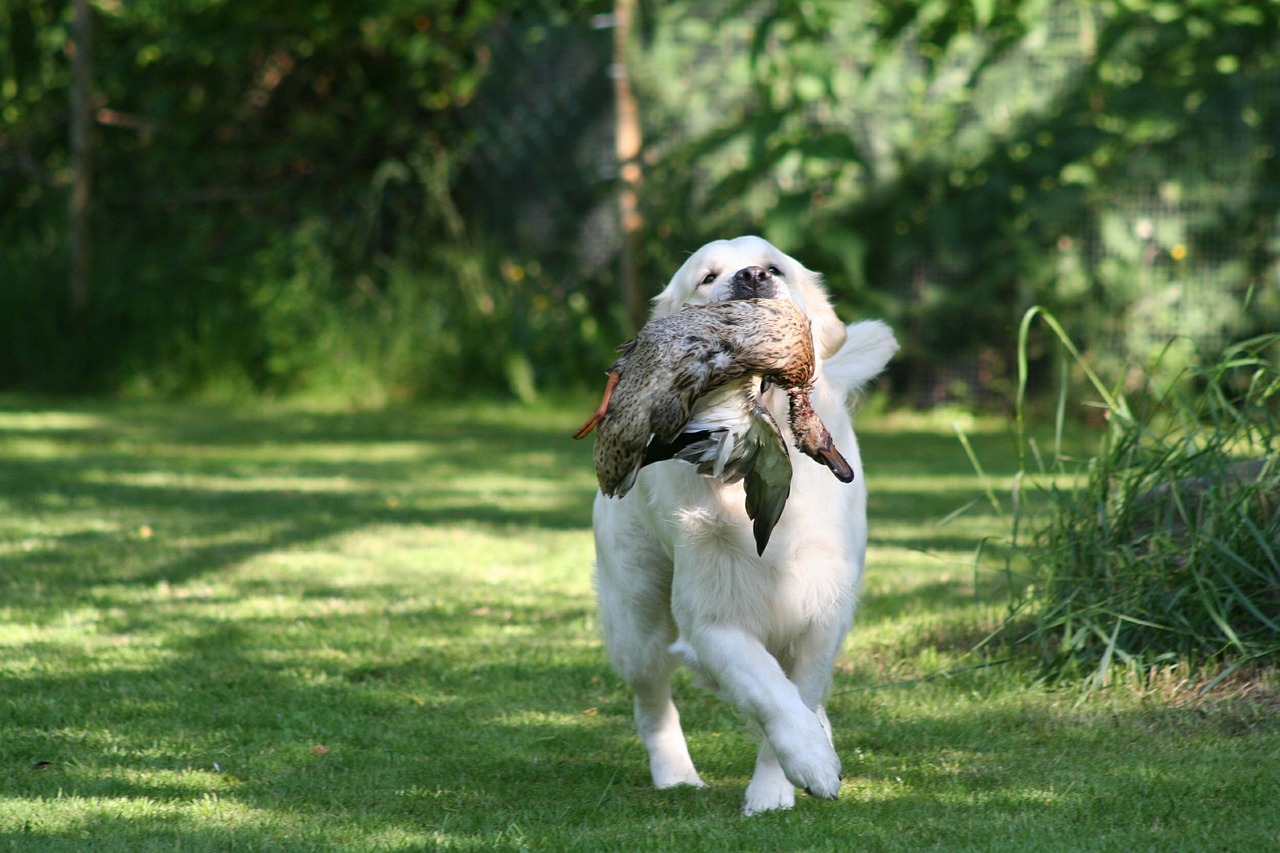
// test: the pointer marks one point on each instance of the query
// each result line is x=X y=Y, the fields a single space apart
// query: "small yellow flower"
x=512 y=271
x=1178 y=252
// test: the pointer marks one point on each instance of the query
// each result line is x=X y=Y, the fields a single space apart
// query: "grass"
x=1165 y=545
x=280 y=629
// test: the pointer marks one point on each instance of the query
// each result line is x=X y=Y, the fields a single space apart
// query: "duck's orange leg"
x=603 y=408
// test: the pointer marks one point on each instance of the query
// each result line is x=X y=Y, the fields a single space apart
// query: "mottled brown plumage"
x=689 y=387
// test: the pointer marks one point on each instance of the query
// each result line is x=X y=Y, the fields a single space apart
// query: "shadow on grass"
x=413 y=741
x=468 y=756
x=937 y=597
x=148 y=494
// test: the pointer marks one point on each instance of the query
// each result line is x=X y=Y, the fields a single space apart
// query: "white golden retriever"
x=677 y=574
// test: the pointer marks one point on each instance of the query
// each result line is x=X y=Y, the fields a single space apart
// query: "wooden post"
x=627 y=139
x=81 y=49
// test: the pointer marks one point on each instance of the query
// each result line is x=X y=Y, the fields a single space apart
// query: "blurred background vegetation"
x=377 y=201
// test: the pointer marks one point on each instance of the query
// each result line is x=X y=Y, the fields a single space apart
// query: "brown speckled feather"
x=674 y=362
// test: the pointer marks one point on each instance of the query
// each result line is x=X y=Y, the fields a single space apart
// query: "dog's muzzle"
x=753 y=283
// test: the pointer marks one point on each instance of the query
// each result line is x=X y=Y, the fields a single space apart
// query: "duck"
x=690 y=386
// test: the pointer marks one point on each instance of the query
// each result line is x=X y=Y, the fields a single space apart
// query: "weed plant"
x=1164 y=547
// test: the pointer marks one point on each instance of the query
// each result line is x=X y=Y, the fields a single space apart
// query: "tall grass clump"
x=1164 y=547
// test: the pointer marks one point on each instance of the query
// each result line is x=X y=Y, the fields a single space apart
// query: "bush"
x=1166 y=546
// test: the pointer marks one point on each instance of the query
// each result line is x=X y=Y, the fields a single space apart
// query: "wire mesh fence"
x=1166 y=253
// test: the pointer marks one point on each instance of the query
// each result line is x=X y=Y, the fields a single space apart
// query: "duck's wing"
x=661 y=377
x=768 y=486
x=732 y=436
x=645 y=415
x=701 y=379
x=647 y=419
x=767 y=479
x=671 y=392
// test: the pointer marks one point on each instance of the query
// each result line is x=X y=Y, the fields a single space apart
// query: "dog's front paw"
x=807 y=757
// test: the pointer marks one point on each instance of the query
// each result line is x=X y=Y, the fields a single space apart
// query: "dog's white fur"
x=679 y=581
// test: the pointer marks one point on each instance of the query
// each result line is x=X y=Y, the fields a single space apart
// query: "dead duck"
x=689 y=386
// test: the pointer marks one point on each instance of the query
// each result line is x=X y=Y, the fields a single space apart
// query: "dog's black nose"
x=752 y=275
x=753 y=283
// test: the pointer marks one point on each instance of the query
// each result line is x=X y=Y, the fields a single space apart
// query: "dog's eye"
x=708 y=278
x=774 y=271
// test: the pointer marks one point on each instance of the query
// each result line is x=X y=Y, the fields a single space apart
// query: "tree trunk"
x=627 y=150
x=81 y=49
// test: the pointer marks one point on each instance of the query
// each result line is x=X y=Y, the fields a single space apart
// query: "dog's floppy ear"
x=675 y=294
x=668 y=302
x=828 y=332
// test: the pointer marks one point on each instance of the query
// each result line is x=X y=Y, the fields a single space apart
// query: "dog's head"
x=752 y=268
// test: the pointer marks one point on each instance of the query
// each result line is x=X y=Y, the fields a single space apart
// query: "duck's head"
x=812 y=438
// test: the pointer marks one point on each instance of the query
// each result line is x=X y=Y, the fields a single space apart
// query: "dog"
x=678 y=578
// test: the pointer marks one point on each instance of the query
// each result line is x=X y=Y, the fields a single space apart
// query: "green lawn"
x=279 y=629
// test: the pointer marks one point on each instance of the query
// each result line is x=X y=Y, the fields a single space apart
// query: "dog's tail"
x=867 y=349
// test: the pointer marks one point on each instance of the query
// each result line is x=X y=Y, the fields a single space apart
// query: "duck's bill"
x=839 y=466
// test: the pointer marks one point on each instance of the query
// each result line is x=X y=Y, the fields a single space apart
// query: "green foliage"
x=951 y=164
x=1165 y=546
x=402 y=200
x=276 y=208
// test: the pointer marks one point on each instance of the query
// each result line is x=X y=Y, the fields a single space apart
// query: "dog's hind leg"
x=769 y=789
x=633 y=584
x=658 y=723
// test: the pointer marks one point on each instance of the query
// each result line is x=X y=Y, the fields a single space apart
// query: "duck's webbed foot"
x=602 y=409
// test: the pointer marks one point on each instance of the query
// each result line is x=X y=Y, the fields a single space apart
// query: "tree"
x=629 y=142
x=81 y=48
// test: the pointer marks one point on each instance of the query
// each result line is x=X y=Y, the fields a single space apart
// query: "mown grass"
x=279 y=629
